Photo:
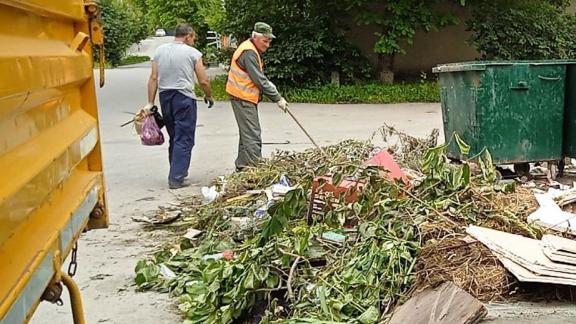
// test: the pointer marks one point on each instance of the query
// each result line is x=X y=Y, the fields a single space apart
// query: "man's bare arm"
x=153 y=83
x=203 y=78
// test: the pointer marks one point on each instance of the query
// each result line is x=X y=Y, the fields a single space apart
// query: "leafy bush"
x=224 y=55
x=213 y=55
x=374 y=93
x=523 y=29
x=310 y=44
x=210 y=55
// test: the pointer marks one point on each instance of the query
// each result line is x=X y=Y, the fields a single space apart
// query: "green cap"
x=264 y=29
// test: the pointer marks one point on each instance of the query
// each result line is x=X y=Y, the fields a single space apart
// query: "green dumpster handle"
x=558 y=78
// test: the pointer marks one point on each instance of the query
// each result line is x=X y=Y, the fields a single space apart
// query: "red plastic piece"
x=385 y=160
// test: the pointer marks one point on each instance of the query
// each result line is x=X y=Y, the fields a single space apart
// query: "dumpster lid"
x=481 y=65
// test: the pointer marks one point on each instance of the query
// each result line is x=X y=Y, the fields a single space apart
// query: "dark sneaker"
x=178 y=185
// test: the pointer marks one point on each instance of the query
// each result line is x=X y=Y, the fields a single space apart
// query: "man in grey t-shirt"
x=175 y=67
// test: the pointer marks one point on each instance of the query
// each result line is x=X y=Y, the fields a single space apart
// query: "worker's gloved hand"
x=209 y=101
x=282 y=104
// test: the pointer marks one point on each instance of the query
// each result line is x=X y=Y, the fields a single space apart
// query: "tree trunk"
x=385 y=68
x=335 y=79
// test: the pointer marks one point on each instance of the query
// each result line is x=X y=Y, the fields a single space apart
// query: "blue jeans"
x=180 y=115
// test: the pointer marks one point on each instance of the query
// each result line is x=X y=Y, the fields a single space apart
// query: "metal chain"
x=73 y=262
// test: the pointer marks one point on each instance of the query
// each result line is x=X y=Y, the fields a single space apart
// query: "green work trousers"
x=250 y=144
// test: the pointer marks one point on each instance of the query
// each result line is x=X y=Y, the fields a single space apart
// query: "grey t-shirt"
x=176 y=63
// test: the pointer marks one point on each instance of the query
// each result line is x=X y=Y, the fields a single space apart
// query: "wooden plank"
x=446 y=303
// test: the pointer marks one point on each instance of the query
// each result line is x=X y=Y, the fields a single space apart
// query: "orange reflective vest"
x=239 y=84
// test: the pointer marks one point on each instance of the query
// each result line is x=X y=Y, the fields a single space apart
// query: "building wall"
x=438 y=47
x=429 y=49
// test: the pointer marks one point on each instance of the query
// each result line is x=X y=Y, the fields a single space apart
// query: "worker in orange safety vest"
x=246 y=85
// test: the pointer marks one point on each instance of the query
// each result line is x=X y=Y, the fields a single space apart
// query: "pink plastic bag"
x=151 y=133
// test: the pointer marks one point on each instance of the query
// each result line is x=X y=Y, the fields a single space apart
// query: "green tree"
x=137 y=10
x=213 y=14
x=397 y=22
x=117 y=37
x=123 y=26
x=169 y=13
x=310 y=42
x=522 y=29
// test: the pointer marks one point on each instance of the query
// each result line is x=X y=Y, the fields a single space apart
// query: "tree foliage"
x=168 y=14
x=523 y=29
x=123 y=26
x=213 y=13
x=399 y=20
x=310 y=42
x=139 y=27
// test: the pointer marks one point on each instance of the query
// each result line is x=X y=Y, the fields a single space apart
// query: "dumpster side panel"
x=570 y=113
x=513 y=109
x=50 y=162
x=459 y=108
x=521 y=112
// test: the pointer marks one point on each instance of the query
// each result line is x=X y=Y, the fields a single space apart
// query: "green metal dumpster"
x=514 y=109
x=570 y=116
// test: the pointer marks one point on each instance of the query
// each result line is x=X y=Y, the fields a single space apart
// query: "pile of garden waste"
x=251 y=253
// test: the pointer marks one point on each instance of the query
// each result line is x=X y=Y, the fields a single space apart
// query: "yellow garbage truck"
x=51 y=183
